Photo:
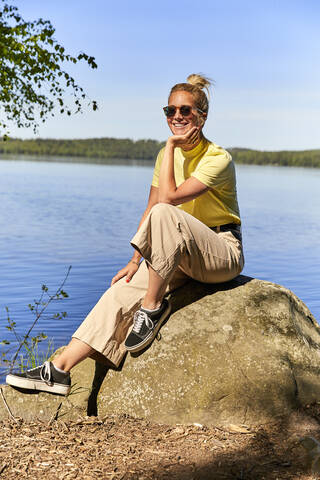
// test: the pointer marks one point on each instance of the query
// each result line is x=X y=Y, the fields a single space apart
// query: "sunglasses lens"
x=169 y=111
x=185 y=110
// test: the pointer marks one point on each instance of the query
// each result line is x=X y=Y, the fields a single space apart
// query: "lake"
x=58 y=214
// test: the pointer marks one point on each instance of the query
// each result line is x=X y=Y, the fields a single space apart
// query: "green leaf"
x=32 y=60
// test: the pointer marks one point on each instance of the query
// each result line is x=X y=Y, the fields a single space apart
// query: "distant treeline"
x=92 y=148
x=303 y=158
x=115 y=148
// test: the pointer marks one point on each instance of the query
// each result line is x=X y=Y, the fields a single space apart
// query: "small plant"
x=27 y=354
x=34 y=356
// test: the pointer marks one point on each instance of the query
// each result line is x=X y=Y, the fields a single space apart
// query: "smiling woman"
x=197 y=101
x=190 y=229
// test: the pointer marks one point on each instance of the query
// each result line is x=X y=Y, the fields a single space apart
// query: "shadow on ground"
x=271 y=452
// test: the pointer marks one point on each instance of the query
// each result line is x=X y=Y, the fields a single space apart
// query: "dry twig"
x=7 y=406
x=55 y=415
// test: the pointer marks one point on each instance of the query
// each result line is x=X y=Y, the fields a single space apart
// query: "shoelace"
x=140 y=318
x=45 y=373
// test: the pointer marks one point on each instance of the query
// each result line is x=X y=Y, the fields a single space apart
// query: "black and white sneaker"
x=44 y=378
x=146 y=326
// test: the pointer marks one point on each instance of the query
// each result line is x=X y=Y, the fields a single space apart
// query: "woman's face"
x=179 y=124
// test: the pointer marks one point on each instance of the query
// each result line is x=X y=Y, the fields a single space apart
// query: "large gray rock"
x=244 y=352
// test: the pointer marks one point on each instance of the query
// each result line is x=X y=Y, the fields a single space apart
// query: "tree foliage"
x=33 y=81
x=94 y=148
x=284 y=158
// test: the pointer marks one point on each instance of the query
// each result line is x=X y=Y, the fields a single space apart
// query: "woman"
x=190 y=229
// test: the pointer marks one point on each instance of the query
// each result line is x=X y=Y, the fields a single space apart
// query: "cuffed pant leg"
x=106 y=326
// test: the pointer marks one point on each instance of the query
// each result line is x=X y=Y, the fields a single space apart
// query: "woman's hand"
x=128 y=271
x=186 y=140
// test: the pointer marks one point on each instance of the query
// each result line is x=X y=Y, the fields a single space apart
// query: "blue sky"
x=263 y=56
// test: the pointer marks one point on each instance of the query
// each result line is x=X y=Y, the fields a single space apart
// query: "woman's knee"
x=160 y=209
x=164 y=213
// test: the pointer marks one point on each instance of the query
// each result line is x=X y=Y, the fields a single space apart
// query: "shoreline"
x=119 y=161
x=77 y=159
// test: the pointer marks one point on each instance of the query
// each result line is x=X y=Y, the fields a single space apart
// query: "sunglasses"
x=185 y=110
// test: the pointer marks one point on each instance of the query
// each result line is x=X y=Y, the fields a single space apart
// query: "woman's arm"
x=152 y=200
x=190 y=188
x=130 y=269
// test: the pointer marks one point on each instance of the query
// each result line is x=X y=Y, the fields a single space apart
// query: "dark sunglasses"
x=185 y=110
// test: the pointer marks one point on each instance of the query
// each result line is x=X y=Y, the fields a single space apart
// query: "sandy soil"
x=126 y=448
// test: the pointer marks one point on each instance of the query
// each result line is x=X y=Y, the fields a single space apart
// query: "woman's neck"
x=187 y=148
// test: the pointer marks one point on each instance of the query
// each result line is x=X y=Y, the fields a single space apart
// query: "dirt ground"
x=122 y=447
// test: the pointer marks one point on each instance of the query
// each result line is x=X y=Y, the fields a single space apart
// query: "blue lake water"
x=54 y=215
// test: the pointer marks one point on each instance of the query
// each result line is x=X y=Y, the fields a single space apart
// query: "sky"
x=263 y=57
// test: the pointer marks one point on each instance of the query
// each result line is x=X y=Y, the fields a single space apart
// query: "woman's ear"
x=202 y=119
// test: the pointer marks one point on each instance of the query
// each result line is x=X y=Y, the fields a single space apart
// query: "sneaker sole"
x=30 y=384
x=153 y=334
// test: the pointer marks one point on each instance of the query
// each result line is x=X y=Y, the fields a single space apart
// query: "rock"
x=312 y=447
x=242 y=353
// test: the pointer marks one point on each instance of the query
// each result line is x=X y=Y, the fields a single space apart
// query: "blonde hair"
x=196 y=82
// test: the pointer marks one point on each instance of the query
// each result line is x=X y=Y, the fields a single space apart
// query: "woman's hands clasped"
x=128 y=271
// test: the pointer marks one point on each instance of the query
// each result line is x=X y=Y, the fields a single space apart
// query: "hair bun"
x=195 y=84
x=200 y=81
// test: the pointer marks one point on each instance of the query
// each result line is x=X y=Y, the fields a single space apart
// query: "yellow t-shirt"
x=214 y=167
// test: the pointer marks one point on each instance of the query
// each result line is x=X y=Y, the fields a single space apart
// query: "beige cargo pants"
x=178 y=247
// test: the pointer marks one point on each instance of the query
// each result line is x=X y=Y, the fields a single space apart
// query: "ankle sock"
x=60 y=370
x=151 y=311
